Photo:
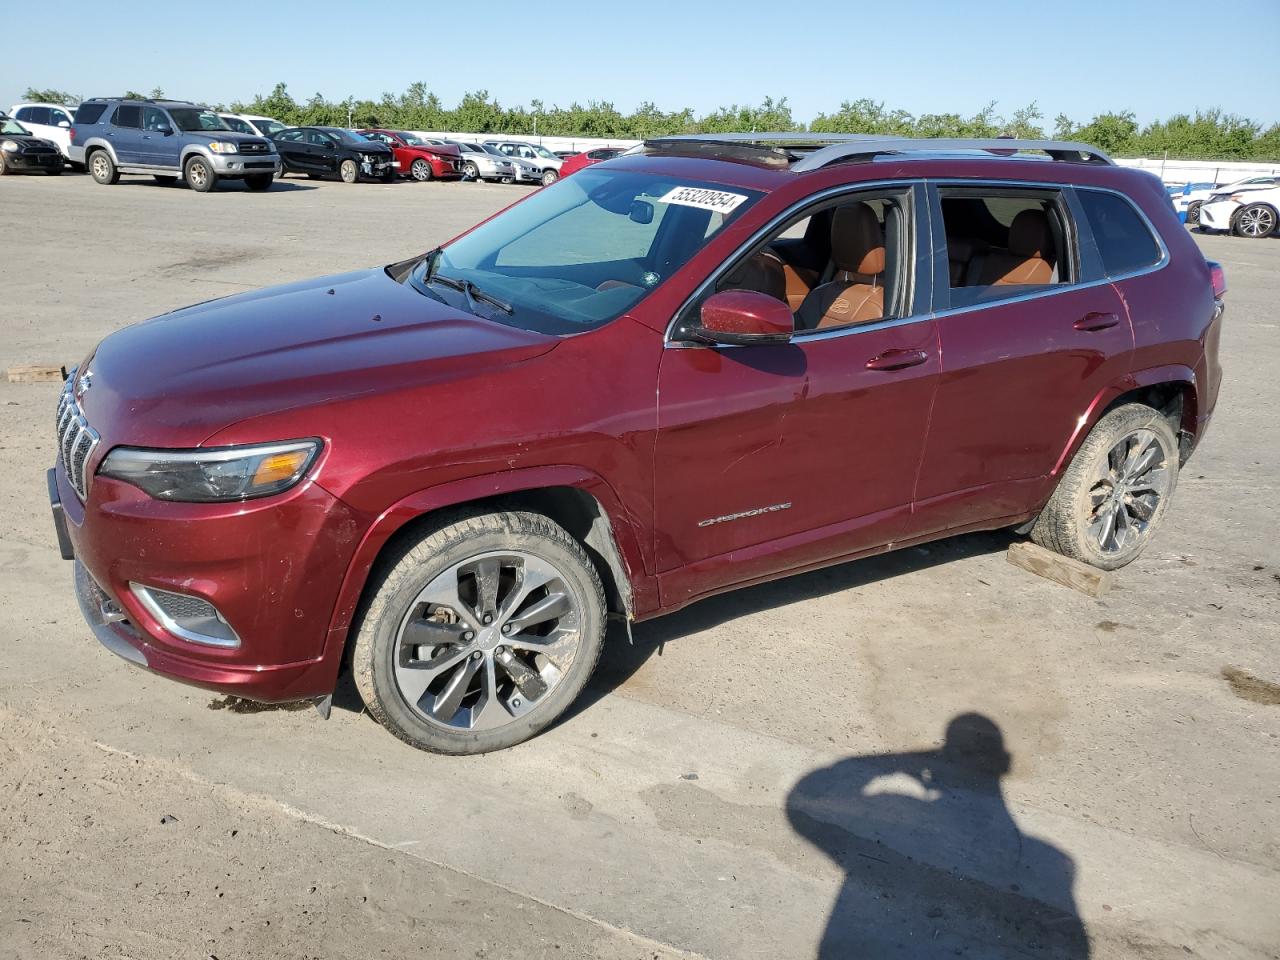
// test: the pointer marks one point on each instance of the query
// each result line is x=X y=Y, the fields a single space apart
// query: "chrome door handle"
x=897 y=360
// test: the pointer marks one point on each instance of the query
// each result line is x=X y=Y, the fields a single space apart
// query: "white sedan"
x=1246 y=213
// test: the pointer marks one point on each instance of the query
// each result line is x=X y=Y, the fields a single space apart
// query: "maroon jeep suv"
x=704 y=364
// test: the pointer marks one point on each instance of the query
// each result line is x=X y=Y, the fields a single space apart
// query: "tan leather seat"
x=855 y=294
x=1029 y=257
x=762 y=273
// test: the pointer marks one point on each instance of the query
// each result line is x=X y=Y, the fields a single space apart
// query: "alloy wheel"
x=1257 y=222
x=198 y=173
x=101 y=168
x=487 y=641
x=1128 y=487
x=349 y=172
x=421 y=170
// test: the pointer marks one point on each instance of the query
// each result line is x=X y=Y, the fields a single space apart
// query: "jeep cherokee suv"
x=698 y=366
x=168 y=139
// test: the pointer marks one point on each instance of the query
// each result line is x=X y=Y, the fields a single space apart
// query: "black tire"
x=1067 y=523
x=1193 y=213
x=4 y=166
x=259 y=182
x=549 y=177
x=199 y=174
x=506 y=179
x=421 y=170
x=393 y=594
x=164 y=179
x=102 y=168
x=349 y=171
x=1256 y=221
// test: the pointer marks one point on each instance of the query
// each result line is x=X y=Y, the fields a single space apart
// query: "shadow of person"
x=934 y=864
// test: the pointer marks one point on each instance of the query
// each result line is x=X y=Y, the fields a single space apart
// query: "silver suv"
x=168 y=139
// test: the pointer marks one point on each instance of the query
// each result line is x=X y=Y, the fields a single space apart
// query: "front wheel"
x=349 y=171
x=421 y=171
x=199 y=175
x=1193 y=213
x=549 y=177
x=1114 y=494
x=1257 y=220
x=470 y=171
x=481 y=634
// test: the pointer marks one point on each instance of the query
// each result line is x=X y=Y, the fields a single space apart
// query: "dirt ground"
x=930 y=753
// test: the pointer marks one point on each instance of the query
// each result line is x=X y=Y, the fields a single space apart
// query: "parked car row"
x=176 y=139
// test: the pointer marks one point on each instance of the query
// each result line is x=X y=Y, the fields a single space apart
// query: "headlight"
x=9 y=146
x=215 y=475
x=222 y=146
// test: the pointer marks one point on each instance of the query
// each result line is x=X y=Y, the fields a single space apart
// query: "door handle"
x=1096 y=321
x=897 y=360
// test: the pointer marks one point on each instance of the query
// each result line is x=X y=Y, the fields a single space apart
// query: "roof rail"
x=821 y=149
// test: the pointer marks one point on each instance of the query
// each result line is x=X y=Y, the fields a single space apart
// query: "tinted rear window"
x=1123 y=238
x=127 y=116
x=90 y=112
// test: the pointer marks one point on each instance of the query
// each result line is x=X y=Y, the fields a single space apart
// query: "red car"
x=705 y=365
x=417 y=158
x=580 y=160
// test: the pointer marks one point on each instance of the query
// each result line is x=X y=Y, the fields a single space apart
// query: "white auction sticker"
x=717 y=200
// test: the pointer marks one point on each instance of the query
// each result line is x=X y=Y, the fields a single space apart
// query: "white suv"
x=252 y=124
x=48 y=121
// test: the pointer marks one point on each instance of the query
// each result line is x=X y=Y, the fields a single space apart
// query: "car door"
x=322 y=151
x=1024 y=355
x=771 y=457
x=125 y=133
x=160 y=144
x=291 y=145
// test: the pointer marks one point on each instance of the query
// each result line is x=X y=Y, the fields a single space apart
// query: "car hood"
x=28 y=141
x=179 y=378
x=231 y=136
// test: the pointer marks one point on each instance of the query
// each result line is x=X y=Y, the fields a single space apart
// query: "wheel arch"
x=97 y=143
x=577 y=499
x=1172 y=389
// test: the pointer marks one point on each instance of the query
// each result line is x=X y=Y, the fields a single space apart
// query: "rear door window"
x=1121 y=234
x=127 y=115
x=1004 y=243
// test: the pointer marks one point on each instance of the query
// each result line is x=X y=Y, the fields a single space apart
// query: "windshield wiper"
x=469 y=290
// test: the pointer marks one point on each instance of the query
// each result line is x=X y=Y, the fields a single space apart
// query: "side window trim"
x=916 y=287
x=1090 y=259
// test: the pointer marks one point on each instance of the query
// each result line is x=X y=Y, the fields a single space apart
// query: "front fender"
x=626 y=529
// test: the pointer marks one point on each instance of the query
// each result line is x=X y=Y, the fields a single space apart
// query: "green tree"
x=51 y=96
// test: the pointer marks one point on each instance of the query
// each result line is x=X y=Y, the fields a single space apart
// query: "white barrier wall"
x=1170 y=171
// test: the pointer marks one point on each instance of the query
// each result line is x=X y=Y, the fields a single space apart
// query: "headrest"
x=1029 y=235
x=857 y=242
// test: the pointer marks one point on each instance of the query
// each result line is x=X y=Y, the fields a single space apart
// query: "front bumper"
x=244 y=164
x=34 y=161
x=1217 y=216
x=273 y=568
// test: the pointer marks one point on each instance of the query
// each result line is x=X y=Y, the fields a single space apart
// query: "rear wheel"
x=1114 y=494
x=199 y=175
x=1256 y=221
x=102 y=168
x=421 y=171
x=349 y=171
x=481 y=634
x=259 y=182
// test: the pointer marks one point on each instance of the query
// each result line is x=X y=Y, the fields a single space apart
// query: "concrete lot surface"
x=926 y=754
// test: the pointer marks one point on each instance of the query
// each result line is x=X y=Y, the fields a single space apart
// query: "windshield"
x=13 y=127
x=190 y=119
x=350 y=135
x=543 y=152
x=269 y=127
x=411 y=140
x=488 y=148
x=576 y=255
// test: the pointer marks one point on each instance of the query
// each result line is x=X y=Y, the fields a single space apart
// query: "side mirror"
x=744 y=317
x=165 y=129
x=641 y=211
x=64 y=125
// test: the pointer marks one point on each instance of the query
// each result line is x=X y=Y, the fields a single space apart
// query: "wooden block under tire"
x=34 y=374
x=1054 y=566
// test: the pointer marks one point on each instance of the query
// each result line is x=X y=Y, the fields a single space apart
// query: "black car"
x=325 y=151
x=21 y=151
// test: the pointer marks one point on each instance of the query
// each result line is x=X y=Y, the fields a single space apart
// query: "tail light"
x=1218 y=277
x=71 y=132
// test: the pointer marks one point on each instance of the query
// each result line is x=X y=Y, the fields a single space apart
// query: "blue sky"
x=1078 y=57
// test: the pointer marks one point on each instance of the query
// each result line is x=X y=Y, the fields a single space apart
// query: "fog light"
x=186 y=617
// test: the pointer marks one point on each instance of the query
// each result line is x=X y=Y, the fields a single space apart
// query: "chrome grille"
x=253 y=146
x=76 y=440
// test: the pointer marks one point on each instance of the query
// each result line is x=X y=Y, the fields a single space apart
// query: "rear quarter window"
x=90 y=112
x=1123 y=238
